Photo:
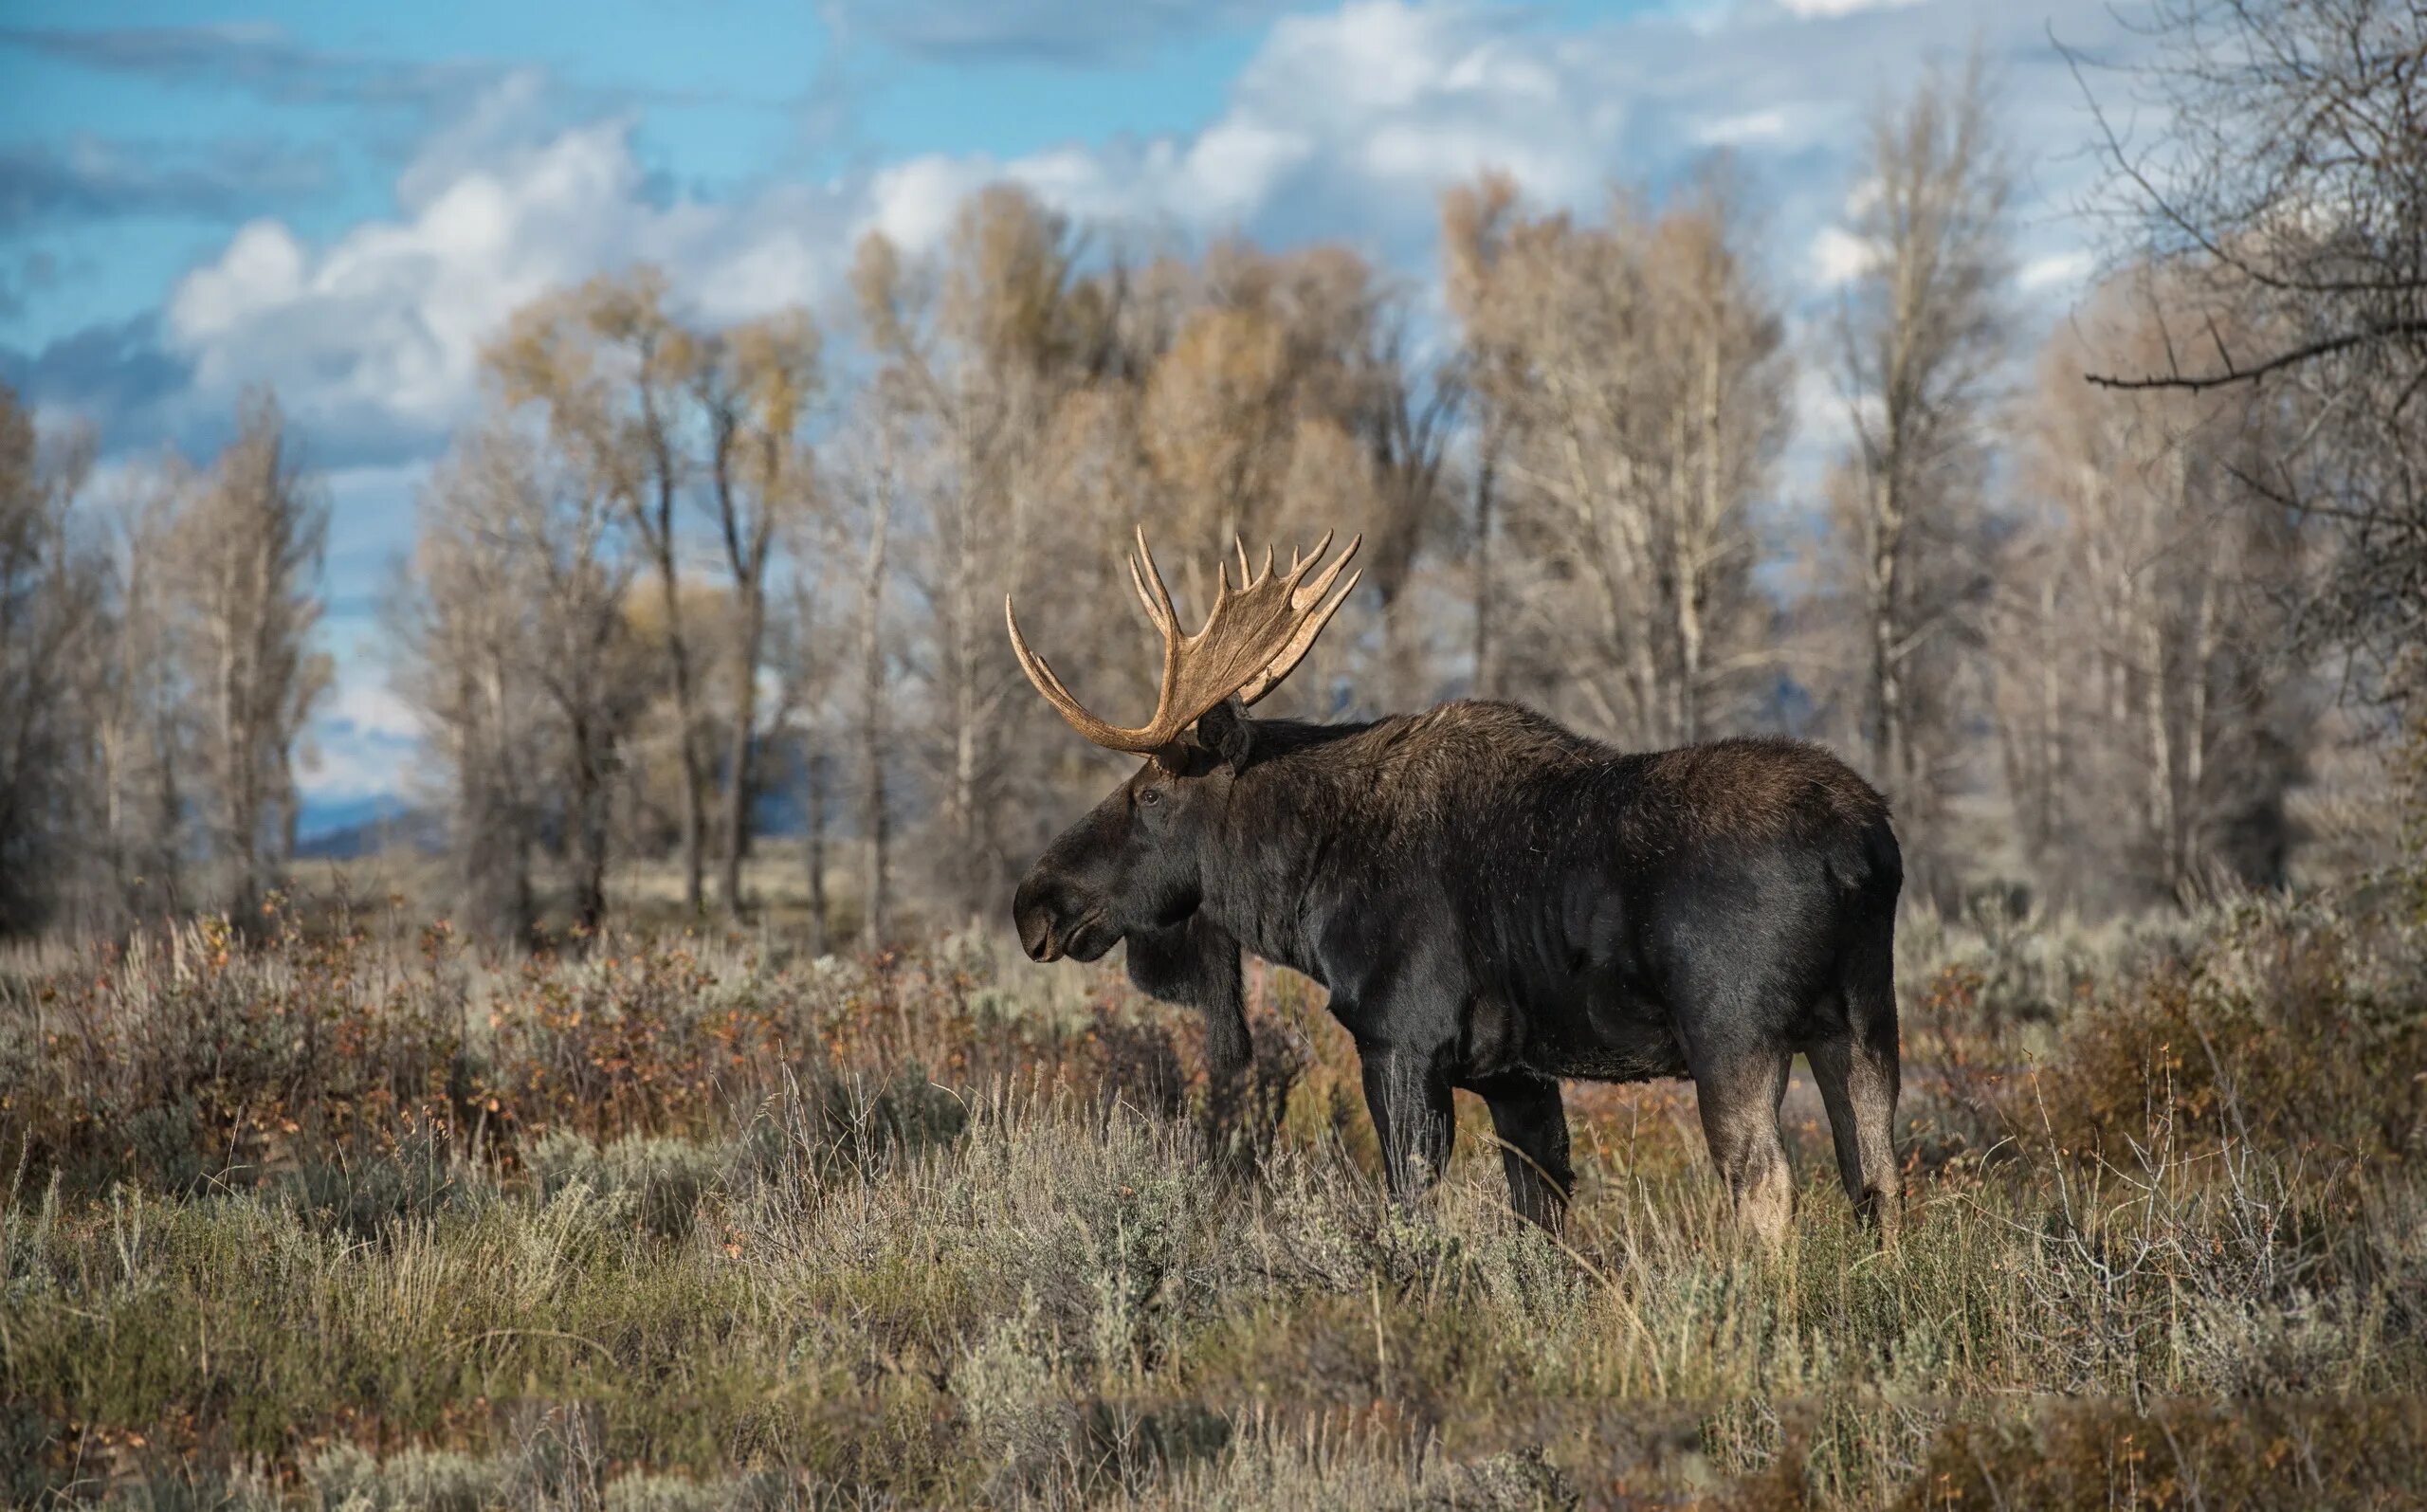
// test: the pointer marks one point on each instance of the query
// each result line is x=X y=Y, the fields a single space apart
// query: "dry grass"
x=356 y=1220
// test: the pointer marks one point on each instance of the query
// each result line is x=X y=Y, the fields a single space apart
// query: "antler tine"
x=1255 y=634
x=1049 y=684
x=1299 y=564
x=1303 y=640
x=1159 y=608
x=1154 y=615
x=1306 y=597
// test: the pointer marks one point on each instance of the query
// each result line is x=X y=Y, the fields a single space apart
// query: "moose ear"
x=1226 y=733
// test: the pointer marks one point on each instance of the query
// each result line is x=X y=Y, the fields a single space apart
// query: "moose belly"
x=1608 y=1042
x=1621 y=1051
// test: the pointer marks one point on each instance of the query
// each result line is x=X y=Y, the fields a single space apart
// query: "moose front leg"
x=1408 y=1094
x=1531 y=1121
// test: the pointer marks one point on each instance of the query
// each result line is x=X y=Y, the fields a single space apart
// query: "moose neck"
x=1262 y=878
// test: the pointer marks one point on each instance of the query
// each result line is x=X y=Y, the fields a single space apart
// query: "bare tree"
x=2149 y=751
x=467 y=657
x=143 y=709
x=52 y=612
x=518 y=646
x=980 y=344
x=613 y=370
x=249 y=547
x=1637 y=374
x=876 y=815
x=1475 y=223
x=1920 y=333
x=755 y=385
x=806 y=674
x=2282 y=194
x=1404 y=417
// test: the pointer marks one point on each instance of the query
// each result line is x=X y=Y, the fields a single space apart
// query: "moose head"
x=1135 y=862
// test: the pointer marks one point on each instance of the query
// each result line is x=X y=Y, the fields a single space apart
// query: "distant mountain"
x=350 y=827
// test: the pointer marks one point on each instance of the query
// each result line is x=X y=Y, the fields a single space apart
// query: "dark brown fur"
x=1496 y=902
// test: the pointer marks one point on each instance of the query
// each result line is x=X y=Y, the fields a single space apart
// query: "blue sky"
x=344 y=200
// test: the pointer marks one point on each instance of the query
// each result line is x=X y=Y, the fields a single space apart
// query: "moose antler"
x=1255 y=636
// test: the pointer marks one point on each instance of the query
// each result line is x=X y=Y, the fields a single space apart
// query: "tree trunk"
x=587 y=843
x=741 y=761
x=813 y=817
x=1486 y=469
x=660 y=535
x=968 y=877
x=875 y=820
x=1887 y=733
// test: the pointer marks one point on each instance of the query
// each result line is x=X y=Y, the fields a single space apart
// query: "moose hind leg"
x=1858 y=1086
x=1532 y=1124
x=1738 y=1093
x=1857 y=1071
x=1413 y=1119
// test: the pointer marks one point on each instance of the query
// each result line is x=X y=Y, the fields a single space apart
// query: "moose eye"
x=1148 y=797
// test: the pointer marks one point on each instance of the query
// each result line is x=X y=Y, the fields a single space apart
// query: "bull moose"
x=1492 y=900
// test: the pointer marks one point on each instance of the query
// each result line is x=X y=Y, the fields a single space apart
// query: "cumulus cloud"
x=2055 y=272
x=374 y=338
x=1345 y=124
x=369 y=707
x=1839 y=255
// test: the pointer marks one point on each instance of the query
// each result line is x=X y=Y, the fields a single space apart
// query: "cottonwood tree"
x=52 y=622
x=1475 y=223
x=247 y=547
x=804 y=631
x=519 y=647
x=2149 y=743
x=466 y=660
x=143 y=723
x=979 y=346
x=1287 y=400
x=1635 y=373
x=1401 y=415
x=1920 y=333
x=2284 y=183
x=615 y=373
x=755 y=383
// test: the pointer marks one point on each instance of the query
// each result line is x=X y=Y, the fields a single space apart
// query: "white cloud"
x=1345 y=124
x=1839 y=255
x=371 y=708
x=912 y=203
x=1768 y=124
x=2057 y=272
x=1824 y=9
x=1348 y=122
x=340 y=763
x=373 y=340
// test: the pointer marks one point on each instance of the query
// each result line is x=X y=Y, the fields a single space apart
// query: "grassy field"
x=355 y=1219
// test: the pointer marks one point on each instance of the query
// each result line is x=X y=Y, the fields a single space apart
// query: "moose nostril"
x=1032 y=914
